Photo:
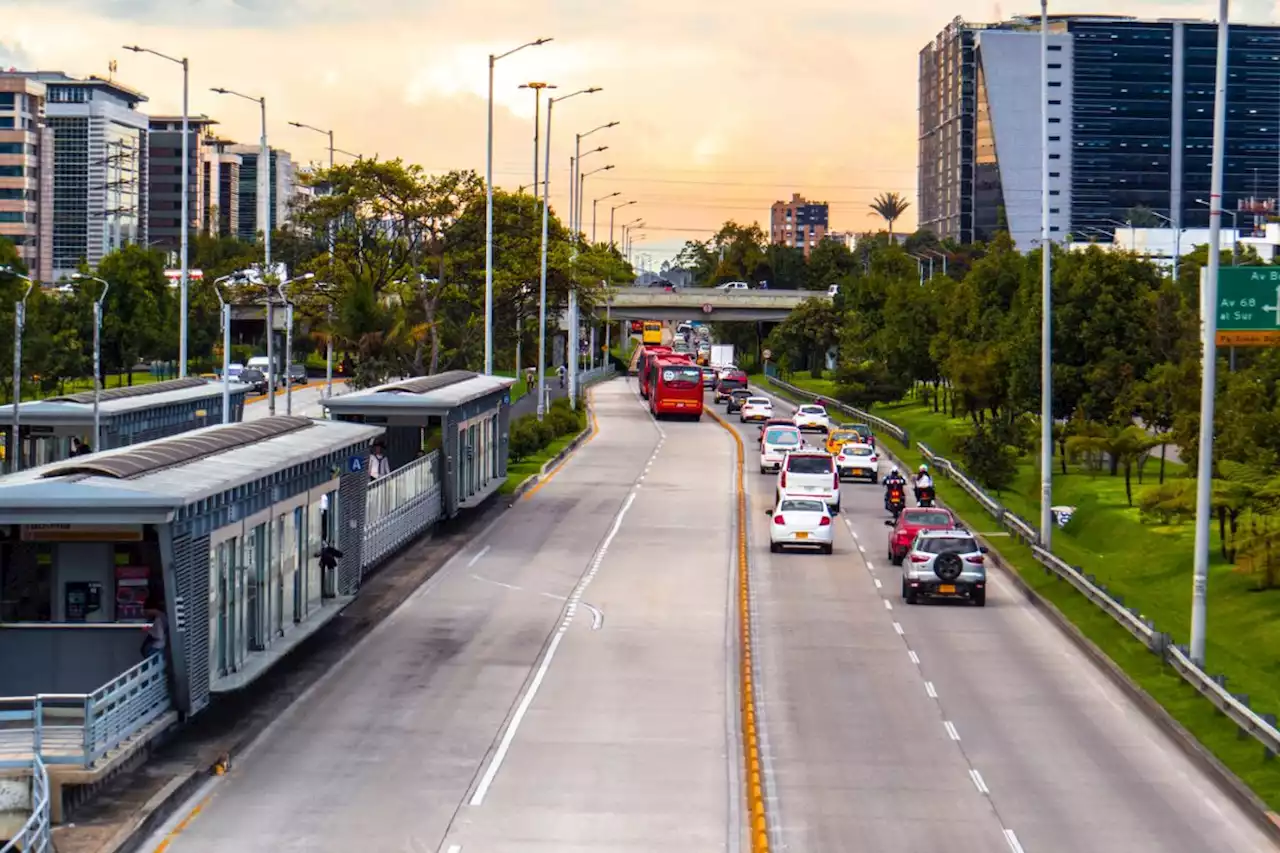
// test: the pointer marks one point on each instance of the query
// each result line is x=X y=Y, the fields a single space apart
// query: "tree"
x=889 y=206
x=805 y=337
x=138 y=313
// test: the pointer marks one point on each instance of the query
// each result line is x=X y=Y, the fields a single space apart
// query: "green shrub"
x=526 y=439
x=563 y=422
x=560 y=404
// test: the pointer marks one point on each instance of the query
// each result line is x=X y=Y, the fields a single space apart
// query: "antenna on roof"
x=111 y=70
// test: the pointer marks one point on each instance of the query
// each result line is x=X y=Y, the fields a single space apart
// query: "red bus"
x=676 y=385
x=647 y=357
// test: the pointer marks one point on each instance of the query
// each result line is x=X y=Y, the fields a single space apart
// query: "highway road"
x=563 y=684
x=951 y=727
x=306 y=401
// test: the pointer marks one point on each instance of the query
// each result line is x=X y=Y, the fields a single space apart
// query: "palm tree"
x=890 y=207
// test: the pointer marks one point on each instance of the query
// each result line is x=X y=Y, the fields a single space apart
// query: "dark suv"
x=737 y=397
x=298 y=375
x=254 y=377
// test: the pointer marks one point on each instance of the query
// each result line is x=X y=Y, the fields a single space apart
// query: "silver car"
x=945 y=564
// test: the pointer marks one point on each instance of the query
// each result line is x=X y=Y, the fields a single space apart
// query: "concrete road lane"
x=306 y=401
x=384 y=752
x=628 y=743
x=994 y=697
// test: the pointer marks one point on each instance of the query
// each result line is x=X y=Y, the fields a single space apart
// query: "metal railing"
x=1262 y=727
x=34 y=835
x=399 y=506
x=81 y=728
x=880 y=424
x=597 y=374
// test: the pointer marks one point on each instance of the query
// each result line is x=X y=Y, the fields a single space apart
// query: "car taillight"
x=783 y=481
x=903 y=539
x=975 y=558
x=826 y=521
x=777 y=519
x=874 y=459
x=919 y=558
x=836 y=479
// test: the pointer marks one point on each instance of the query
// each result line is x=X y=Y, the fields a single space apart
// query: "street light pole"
x=185 y=219
x=1046 y=297
x=488 y=212
x=1208 y=376
x=225 y=310
x=329 y=134
x=19 y=322
x=593 y=211
x=97 y=357
x=288 y=338
x=613 y=210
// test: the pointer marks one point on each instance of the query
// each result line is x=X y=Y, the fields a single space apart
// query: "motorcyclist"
x=893 y=479
x=923 y=481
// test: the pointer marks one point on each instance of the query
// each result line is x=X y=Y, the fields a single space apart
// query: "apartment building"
x=281 y=181
x=164 y=170
x=220 y=174
x=798 y=223
x=26 y=173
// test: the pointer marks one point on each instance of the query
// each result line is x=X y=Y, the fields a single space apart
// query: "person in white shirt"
x=923 y=481
x=379 y=464
x=157 y=635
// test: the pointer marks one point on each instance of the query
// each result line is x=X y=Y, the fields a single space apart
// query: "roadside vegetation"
x=534 y=443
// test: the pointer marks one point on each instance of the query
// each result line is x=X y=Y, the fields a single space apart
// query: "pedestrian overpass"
x=702 y=303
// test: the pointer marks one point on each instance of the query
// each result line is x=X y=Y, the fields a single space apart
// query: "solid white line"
x=951 y=730
x=494 y=582
x=979 y=783
x=915 y=658
x=877 y=580
x=930 y=690
x=477 y=557
x=1013 y=841
x=455 y=848
x=495 y=764
x=888 y=605
x=898 y=627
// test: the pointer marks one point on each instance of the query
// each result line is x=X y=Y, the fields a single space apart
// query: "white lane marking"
x=870 y=567
x=1012 y=840
x=495 y=764
x=597 y=618
x=478 y=557
x=979 y=783
x=931 y=690
x=492 y=581
x=888 y=605
x=455 y=848
x=877 y=580
x=851 y=530
x=915 y=658
x=951 y=730
x=863 y=550
x=553 y=595
x=897 y=626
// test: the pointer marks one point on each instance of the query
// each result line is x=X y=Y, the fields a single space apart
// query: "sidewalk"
x=528 y=404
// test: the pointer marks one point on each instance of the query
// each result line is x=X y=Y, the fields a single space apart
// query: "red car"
x=912 y=521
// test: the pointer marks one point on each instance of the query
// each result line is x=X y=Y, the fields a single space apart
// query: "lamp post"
x=288 y=338
x=1177 y=242
x=575 y=205
x=582 y=180
x=97 y=354
x=626 y=229
x=264 y=186
x=537 y=88
x=329 y=134
x=612 y=211
x=1046 y=296
x=1208 y=373
x=488 y=211
x=225 y=310
x=593 y=211
x=542 y=290
x=186 y=211
x=1235 y=228
x=19 y=322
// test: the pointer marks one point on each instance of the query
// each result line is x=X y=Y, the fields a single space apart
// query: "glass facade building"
x=1134 y=114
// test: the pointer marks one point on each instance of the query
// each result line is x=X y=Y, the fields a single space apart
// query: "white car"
x=858 y=460
x=733 y=285
x=756 y=409
x=809 y=474
x=813 y=417
x=833 y=290
x=801 y=523
x=777 y=442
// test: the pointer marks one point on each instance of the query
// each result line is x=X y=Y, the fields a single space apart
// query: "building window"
x=1055 y=65
x=11 y=216
x=7 y=100
x=6 y=122
x=1055 y=103
x=11 y=171
x=1055 y=83
x=1056 y=47
x=13 y=148
x=1055 y=121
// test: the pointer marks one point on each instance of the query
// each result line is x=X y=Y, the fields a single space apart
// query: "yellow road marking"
x=595 y=428
x=260 y=397
x=750 y=737
x=182 y=825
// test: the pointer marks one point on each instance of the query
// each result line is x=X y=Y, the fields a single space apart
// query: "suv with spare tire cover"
x=945 y=564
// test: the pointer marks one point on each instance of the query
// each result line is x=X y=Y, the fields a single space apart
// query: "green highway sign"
x=1249 y=299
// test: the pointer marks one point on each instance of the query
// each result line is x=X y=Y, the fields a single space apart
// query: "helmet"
x=893 y=472
x=924 y=469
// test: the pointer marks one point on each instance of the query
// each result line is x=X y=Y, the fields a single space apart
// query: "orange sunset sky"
x=724 y=106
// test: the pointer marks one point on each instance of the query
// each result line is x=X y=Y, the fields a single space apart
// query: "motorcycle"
x=925 y=496
x=895 y=501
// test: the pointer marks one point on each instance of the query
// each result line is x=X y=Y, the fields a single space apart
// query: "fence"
x=597 y=374
x=33 y=836
x=1262 y=727
x=400 y=506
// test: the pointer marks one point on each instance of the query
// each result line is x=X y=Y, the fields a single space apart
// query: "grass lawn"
x=113 y=380
x=1150 y=567
x=518 y=472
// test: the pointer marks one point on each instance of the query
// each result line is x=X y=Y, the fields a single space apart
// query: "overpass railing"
x=80 y=728
x=399 y=506
x=1236 y=707
x=34 y=834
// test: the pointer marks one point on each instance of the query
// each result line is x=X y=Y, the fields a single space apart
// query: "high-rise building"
x=282 y=180
x=221 y=176
x=797 y=223
x=1130 y=124
x=26 y=174
x=164 y=171
x=99 y=167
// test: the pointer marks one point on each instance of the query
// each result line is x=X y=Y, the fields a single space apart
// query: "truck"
x=721 y=355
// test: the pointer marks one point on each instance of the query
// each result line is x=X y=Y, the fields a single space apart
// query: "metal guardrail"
x=399 y=506
x=879 y=423
x=34 y=835
x=597 y=374
x=1262 y=727
x=81 y=728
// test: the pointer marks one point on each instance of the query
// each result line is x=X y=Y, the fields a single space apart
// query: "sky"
x=724 y=106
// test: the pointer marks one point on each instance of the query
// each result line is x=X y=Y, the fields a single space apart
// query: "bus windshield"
x=681 y=377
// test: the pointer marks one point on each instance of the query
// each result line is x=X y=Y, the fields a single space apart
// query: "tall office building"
x=282 y=180
x=26 y=174
x=798 y=223
x=221 y=177
x=164 y=171
x=1130 y=124
x=99 y=167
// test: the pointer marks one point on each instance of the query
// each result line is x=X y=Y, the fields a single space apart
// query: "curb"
x=560 y=458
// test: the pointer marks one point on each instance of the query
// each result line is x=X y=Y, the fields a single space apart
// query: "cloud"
x=12 y=54
x=251 y=14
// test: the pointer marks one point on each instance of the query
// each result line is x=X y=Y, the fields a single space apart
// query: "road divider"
x=755 y=793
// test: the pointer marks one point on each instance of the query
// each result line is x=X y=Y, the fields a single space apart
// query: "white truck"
x=721 y=355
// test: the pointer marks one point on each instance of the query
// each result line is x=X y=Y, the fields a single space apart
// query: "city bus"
x=676 y=388
x=647 y=355
x=652 y=332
